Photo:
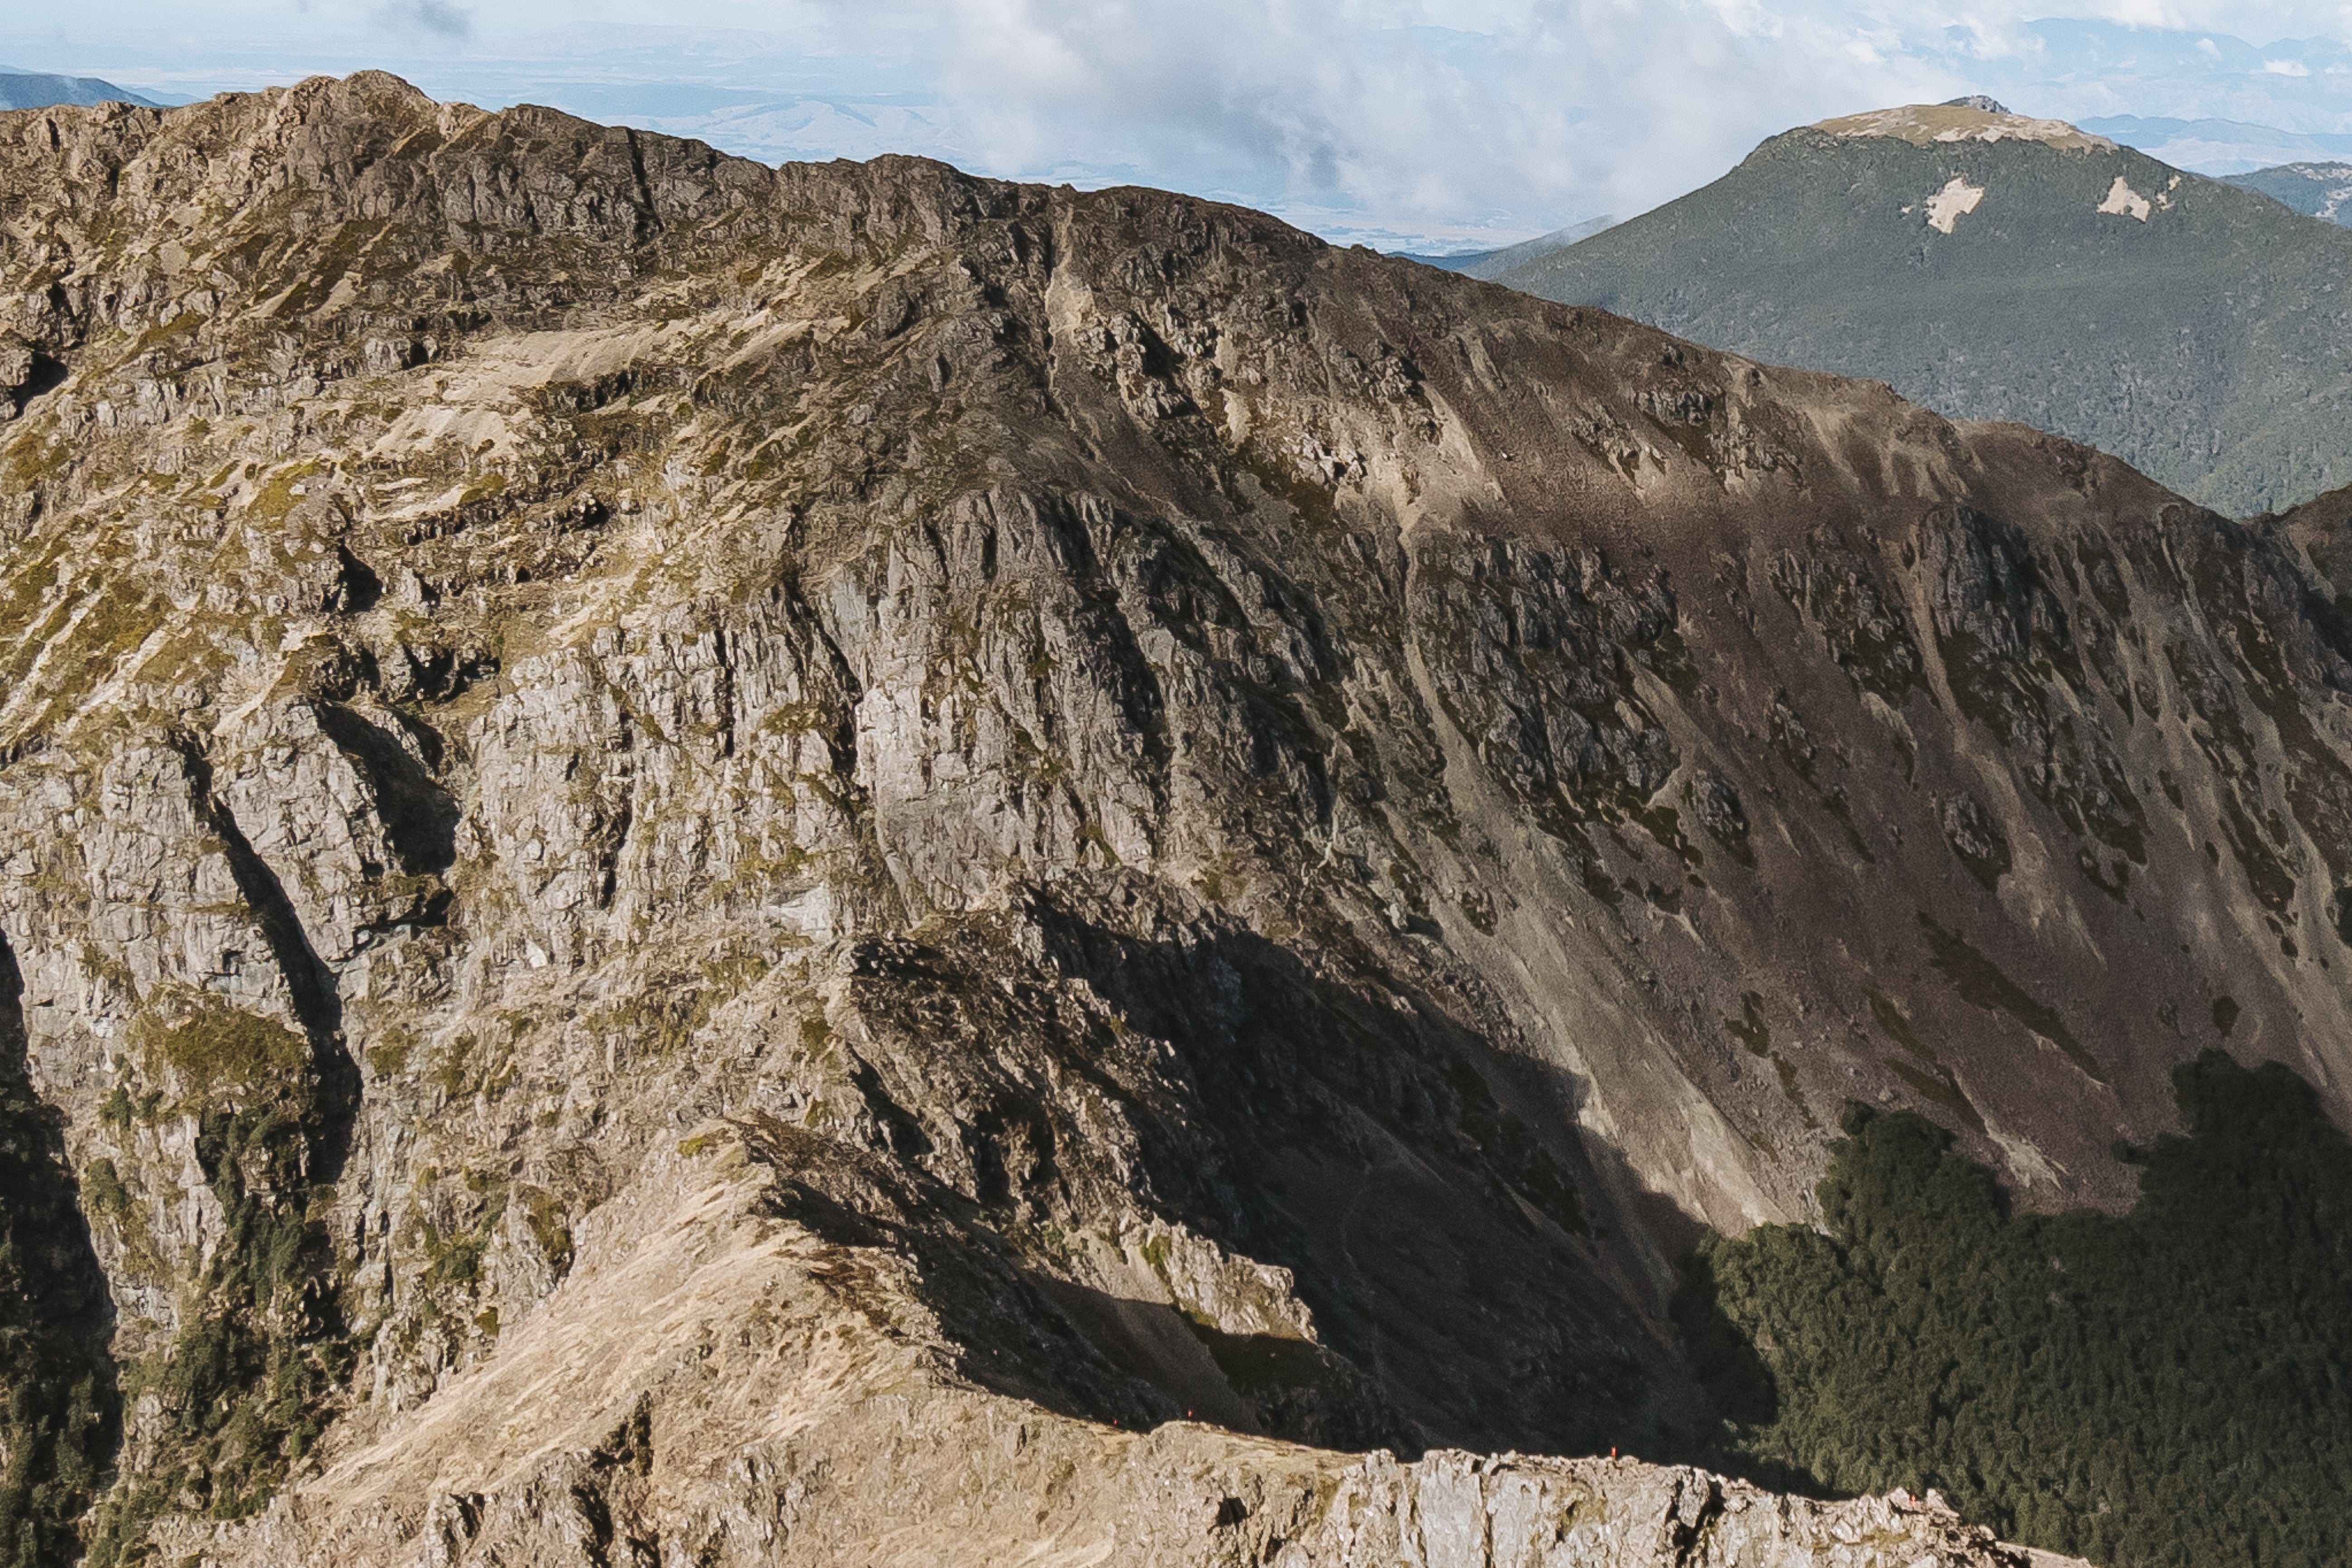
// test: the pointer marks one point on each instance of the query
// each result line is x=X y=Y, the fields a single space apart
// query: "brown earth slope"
x=694 y=858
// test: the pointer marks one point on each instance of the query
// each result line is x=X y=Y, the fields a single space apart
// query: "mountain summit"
x=1996 y=267
x=1976 y=118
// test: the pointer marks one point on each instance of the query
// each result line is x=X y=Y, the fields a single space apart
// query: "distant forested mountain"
x=2000 y=268
x=2322 y=189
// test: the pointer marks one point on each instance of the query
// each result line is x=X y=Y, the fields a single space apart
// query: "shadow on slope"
x=61 y=1423
x=1222 y=1113
x=1414 y=1181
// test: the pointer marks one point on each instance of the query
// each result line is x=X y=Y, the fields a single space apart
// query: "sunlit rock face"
x=712 y=864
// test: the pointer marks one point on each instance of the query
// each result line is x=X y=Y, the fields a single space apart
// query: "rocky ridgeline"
x=702 y=863
x=721 y=1382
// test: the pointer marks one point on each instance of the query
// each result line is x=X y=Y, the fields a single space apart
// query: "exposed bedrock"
x=1232 y=830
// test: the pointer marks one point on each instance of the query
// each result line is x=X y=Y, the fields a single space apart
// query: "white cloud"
x=1420 y=120
x=1566 y=109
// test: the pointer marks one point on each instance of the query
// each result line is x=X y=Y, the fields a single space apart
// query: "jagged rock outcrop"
x=636 y=1418
x=854 y=833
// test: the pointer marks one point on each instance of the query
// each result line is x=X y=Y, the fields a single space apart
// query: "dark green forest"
x=2173 y=1386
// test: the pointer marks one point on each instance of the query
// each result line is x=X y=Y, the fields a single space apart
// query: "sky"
x=1399 y=123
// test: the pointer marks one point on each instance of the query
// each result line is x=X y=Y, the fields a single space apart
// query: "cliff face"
x=701 y=861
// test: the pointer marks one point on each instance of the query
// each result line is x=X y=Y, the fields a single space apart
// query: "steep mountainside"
x=711 y=863
x=1998 y=267
x=2316 y=530
x=2320 y=190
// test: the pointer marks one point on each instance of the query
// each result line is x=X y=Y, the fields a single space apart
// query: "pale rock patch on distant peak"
x=1945 y=208
x=2124 y=202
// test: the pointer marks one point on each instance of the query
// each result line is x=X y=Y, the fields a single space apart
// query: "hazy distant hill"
x=2218 y=147
x=2323 y=190
x=2000 y=268
x=1493 y=264
x=36 y=89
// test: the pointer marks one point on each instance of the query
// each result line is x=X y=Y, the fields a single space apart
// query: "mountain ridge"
x=1006 y=815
